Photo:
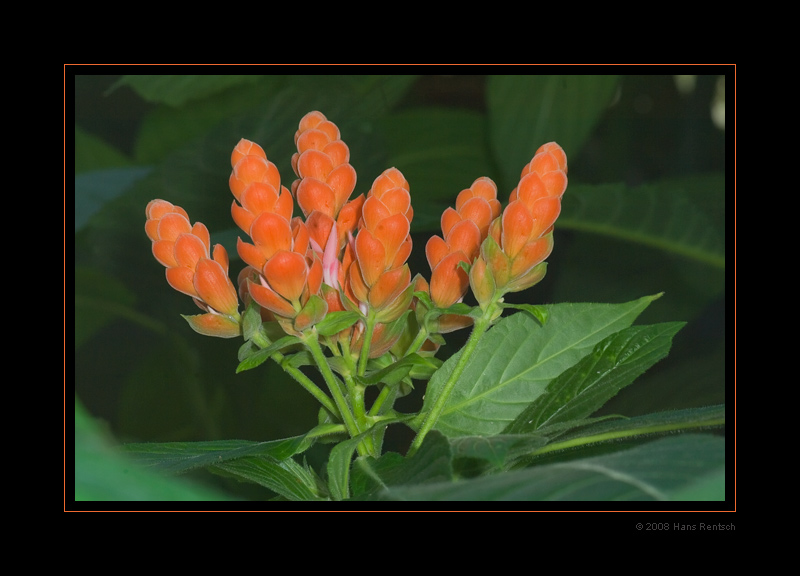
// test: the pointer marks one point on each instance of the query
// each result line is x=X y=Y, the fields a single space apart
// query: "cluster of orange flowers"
x=350 y=254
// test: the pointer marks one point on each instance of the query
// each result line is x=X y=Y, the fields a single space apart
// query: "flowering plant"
x=327 y=293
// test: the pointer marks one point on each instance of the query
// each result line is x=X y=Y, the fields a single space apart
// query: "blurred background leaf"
x=102 y=473
x=528 y=111
x=644 y=214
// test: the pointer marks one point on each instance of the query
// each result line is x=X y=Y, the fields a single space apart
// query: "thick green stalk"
x=383 y=396
x=260 y=340
x=366 y=342
x=311 y=342
x=367 y=446
x=356 y=392
x=429 y=420
x=419 y=340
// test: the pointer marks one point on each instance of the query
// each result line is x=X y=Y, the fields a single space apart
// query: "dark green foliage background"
x=644 y=213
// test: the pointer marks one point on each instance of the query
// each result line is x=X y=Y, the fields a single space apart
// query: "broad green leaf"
x=99 y=298
x=92 y=153
x=96 y=188
x=528 y=111
x=496 y=450
x=609 y=431
x=516 y=360
x=431 y=464
x=180 y=457
x=166 y=128
x=706 y=488
x=268 y=464
x=176 y=90
x=662 y=470
x=341 y=458
x=284 y=477
x=339 y=462
x=103 y=474
x=663 y=215
x=585 y=387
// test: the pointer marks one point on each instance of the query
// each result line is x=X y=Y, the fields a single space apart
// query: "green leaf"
x=95 y=189
x=314 y=311
x=251 y=321
x=664 y=215
x=284 y=477
x=103 y=474
x=516 y=360
x=425 y=368
x=176 y=90
x=538 y=312
x=528 y=111
x=92 y=153
x=180 y=457
x=394 y=372
x=261 y=356
x=607 y=432
x=667 y=469
x=100 y=298
x=166 y=128
x=431 y=464
x=585 y=387
x=496 y=450
x=339 y=468
x=335 y=322
x=268 y=464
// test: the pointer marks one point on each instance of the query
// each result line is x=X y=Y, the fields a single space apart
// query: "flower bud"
x=191 y=268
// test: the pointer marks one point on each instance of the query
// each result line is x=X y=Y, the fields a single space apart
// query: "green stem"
x=383 y=395
x=366 y=342
x=260 y=340
x=311 y=342
x=356 y=392
x=419 y=340
x=429 y=420
x=359 y=411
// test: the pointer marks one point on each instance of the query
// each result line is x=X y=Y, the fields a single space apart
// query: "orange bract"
x=255 y=182
x=284 y=273
x=379 y=277
x=325 y=178
x=190 y=268
x=463 y=228
x=350 y=254
x=512 y=256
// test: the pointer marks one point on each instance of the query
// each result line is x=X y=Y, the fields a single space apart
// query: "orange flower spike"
x=185 y=252
x=463 y=228
x=215 y=288
x=256 y=185
x=325 y=177
x=260 y=197
x=287 y=273
x=290 y=279
x=512 y=257
x=479 y=203
x=246 y=148
x=379 y=277
x=252 y=169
